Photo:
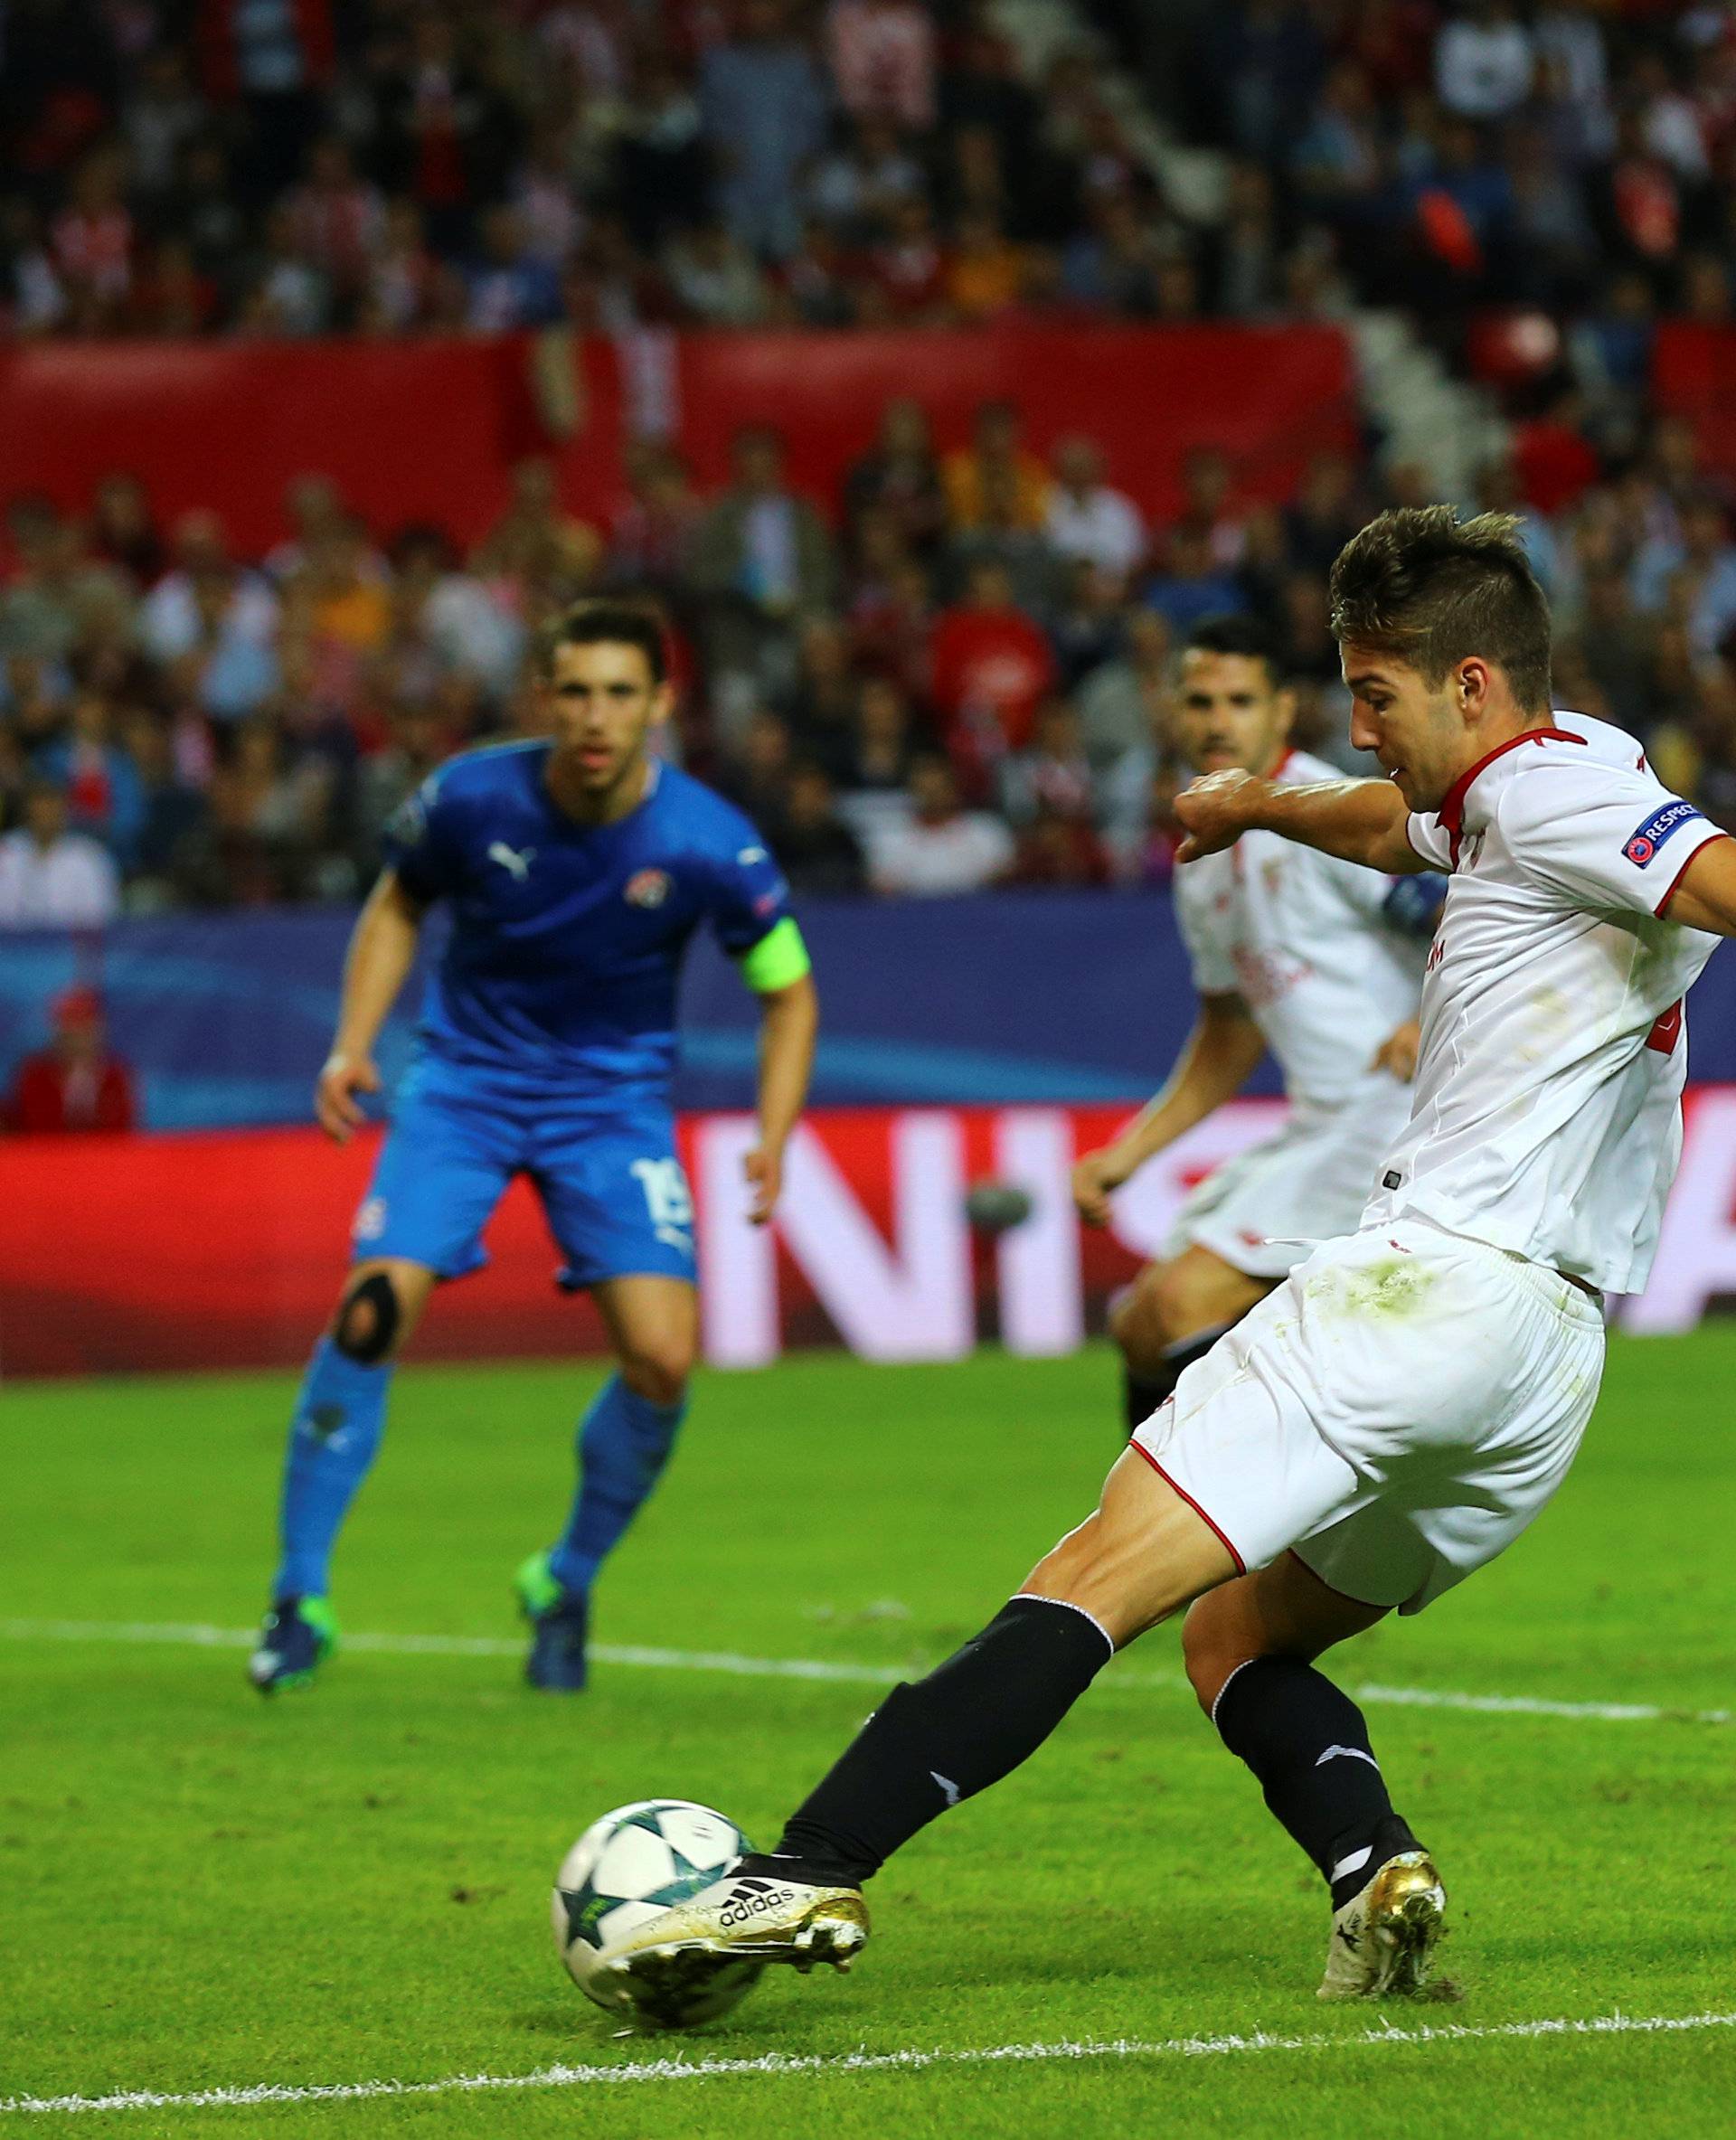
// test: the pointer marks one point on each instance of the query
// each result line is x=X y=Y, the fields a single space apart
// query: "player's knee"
x=1185 y=1299
x=1135 y=1325
x=658 y=1369
x=369 y=1320
x=1215 y=1641
x=1173 y=1302
x=1125 y=1317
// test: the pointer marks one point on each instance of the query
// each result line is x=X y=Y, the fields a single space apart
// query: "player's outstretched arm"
x=1705 y=895
x=1357 y=820
x=790 y=1020
x=383 y=949
x=1222 y=1051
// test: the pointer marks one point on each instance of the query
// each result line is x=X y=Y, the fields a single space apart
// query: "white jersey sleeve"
x=1363 y=891
x=1430 y=839
x=1209 y=953
x=1613 y=839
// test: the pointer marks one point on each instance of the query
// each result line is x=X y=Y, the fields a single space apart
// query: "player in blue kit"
x=577 y=871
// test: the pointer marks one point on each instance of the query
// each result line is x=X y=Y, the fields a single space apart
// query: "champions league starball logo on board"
x=647 y=887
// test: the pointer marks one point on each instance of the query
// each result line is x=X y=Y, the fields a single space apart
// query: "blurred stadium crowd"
x=383 y=166
x=953 y=675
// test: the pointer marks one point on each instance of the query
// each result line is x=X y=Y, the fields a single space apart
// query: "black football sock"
x=1144 y=1390
x=1306 y=1740
x=1141 y=1394
x=971 y=1721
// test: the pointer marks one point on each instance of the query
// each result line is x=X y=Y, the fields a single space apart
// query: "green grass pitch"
x=201 y=1891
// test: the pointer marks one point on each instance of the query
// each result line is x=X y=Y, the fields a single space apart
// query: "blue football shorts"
x=610 y=1185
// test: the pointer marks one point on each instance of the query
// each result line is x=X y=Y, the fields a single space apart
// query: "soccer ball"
x=626 y=1869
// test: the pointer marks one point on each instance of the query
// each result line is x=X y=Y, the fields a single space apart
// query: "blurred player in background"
x=1318 y=959
x=1407 y=1402
x=577 y=871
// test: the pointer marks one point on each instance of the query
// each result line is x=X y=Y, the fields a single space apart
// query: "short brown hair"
x=625 y=623
x=1239 y=634
x=1431 y=589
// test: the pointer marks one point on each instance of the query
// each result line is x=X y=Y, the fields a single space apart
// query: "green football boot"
x=560 y=1623
x=298 y=1636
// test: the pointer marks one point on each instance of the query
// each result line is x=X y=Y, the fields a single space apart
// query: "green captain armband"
x=779 y=960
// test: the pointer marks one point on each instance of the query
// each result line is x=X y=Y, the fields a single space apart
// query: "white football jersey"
x=1547 y=1117
x=1301 y=938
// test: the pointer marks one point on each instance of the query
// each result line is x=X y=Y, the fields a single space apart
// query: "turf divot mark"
x=774 y=2065
x=194 y=1635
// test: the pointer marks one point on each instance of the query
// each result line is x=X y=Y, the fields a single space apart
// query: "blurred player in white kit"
x=1316 y=958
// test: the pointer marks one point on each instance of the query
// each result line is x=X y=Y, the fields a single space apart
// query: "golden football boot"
x=742 y=1918
x=1384 y=1939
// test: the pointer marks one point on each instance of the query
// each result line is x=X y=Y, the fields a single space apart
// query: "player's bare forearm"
x=1357 y=820
x=1705 y=895
x=1220 y=1055
x=1218 y=1059
x=383 y=949
x=789 y=1021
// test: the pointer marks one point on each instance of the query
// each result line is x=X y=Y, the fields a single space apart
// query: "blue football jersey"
x=566 y=940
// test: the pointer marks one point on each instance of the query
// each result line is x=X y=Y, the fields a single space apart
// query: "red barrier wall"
x=412 y=430
x=1269 y=396
x=225 y=1250
x=428 y=430
x=1693 y=375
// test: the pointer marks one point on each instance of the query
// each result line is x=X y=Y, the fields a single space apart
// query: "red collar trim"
x=1452 y=810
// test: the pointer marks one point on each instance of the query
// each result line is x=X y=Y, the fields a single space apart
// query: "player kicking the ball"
x=1318 y=959
x=577 y=872
x=1397 y=1411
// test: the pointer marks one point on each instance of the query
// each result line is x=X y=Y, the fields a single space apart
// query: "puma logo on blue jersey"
x=515 y=863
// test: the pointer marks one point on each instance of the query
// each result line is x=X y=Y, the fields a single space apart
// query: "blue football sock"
x=333 y=1439
x=624 y=1443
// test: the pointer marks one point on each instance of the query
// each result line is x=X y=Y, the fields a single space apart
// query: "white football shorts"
x=1396 y=1412
x=1265 y=1210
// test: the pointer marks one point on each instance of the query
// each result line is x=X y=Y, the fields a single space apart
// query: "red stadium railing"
x=428 y=430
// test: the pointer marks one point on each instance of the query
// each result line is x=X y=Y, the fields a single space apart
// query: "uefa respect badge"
x=1649 y=837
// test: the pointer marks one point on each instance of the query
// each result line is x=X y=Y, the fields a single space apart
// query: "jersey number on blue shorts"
x=667 y=1199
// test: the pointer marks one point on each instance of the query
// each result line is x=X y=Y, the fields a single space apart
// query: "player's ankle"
x=804 y=1869
x=1358 y=1855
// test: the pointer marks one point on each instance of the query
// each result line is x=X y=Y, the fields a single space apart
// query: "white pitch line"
x=778 y=2065
x=195 y=1636
x=191 y=1634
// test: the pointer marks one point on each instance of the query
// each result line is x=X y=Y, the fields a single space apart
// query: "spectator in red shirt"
x=92 y=242
x=991 y=668
x=907 y=271
x=1645 y=199
x=74 y=1084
